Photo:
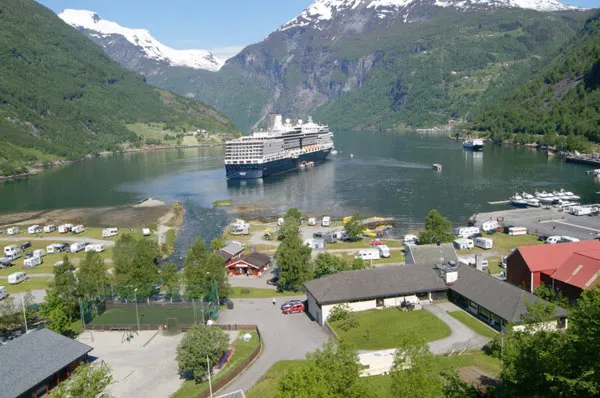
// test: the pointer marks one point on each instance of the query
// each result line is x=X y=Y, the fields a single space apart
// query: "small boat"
x=520 y=203
x=533 y=202
x=596 y=172
x=437 y=167
x=475 y=145
x=526 y=195
x=334 y=152
x=351 y=155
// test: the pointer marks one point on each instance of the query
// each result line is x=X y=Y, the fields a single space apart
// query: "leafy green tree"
x=217 y=243
x=87 y=381
x=59 y=317
x=343 y=317
x=134 y=264
x=198 y=343
x=545 y=292
x=326 y=264
x=294 y=213
x=201 y=268
x=170 y=277
x=61 y=301
x=437 y=228
x=293 y=258
x=333 y=371
x=91 y=276
x=354 y=227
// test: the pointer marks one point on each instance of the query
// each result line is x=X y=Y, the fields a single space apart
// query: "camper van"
x=484 y=243
x=3 y=293
x=463 y=244
x=514 y=231
x=77 y=247
x=64 y=228
x=110 y=232
x=17 y=278
x=411 y=239
x=312 y=222
x=78 y=229
x=326 y=221
x=13 y=230
x=98 y=248
x=384 y=251
x=49 y=228
x=12 y=252
x=489 y=226
x=466 y=232
x=34 y=229
x=368 y=254
x=32 y=262
x=39 y=253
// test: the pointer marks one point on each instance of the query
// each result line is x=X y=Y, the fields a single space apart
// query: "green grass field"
x=26 y=286
x=241 y=351
x=253 y=292
x=381 y=329
x=152 y=316
x=474 y=324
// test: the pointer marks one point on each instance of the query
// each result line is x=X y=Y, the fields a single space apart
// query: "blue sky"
x=222 y=26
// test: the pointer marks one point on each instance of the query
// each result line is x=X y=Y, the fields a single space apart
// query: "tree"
x=547 y=293
x=217 y=243
x=201 y=268
x=61 y=301
x=294 y=213
x=170 y=277
x=87 y=381
x=333 y=371
x=358 y=263
x=134 y=264
x=326 y=264
x=354 y=227
x=59 y=317
x=293 y=258
x=198 y=343
x=344 y=318
x=92 y=276
x=437 y=228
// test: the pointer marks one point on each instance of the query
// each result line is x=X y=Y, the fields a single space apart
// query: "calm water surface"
x=389 y=175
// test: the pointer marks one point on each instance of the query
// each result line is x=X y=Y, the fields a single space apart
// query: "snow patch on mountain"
x=326 y=10
x=152 y=48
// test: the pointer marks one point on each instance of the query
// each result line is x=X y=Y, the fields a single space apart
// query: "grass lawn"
x=266 y=387
x=473 y=323
x=241 y=351
x=26 y=286
x=504 y=243
x=154 y=315
x=381 y=329
x=254 y=292
x=396 y=256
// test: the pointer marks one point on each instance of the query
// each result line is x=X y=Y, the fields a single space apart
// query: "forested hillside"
x=564 y=99
x=62 y=97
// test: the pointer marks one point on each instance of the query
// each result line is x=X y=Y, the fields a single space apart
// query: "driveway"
x=284 y=336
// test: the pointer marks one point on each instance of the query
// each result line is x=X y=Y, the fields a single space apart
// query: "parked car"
x=542 y=238
x=376 y=242
x=294 y=308
x=291 y=303
x=228 y=303
x=28 y=255
x=25 y=245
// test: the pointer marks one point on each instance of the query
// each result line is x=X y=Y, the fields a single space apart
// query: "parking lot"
x=543 y=221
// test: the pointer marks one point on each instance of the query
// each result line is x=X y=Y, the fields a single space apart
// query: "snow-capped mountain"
x=103 y=30
x=327 y=10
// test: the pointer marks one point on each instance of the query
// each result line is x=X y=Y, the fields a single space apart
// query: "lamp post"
x=137 y=316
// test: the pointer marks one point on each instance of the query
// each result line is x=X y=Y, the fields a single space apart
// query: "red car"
x=377 y=242
x=294 y=308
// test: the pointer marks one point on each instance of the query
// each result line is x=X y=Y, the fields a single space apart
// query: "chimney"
x=448 y=272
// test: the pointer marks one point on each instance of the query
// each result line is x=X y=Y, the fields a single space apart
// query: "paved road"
x=284 y=336
x=60 y=239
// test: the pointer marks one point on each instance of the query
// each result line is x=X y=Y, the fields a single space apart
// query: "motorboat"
x=517 y=201
x=526 y=195
x=533 y=202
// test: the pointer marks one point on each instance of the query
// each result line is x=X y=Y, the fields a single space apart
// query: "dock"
x=584 y=160
x=499 y=202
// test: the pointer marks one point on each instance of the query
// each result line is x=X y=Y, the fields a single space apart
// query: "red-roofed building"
x=567 y=267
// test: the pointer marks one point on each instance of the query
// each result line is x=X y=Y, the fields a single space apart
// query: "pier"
x=584 y=160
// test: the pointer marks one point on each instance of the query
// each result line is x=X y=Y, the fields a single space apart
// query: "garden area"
x=473 y=323
x=382 y=329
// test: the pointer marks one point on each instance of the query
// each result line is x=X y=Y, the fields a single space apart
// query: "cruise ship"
x=283 y=147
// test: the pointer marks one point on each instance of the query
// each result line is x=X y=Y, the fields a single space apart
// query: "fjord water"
x=389 y=175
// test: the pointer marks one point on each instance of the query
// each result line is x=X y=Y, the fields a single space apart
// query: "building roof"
x=30 y=359
x=233 y=248
x=257 y=260
x=502 y=298
x=373 y=283
x=581 y=269
x=431 y=254
x=550 y=257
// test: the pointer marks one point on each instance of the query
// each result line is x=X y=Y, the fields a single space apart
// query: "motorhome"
x=331 y=237
x=384 y=251
x=326 y=221
x=514 y=231
x=368 y=254
x=3 y=293
x=32 y=262
x=39 y=253
x=12 y=252
x=34 y=229
x=64 y=228
x=463 y=244
x=77 y=247
x=78 y=229
x=13 y=231
x=110 y=232
x=98 y=248
x=466 y=232
x=484 y=243
x=489 y=226
x=49 y=228
x=312 y=221
x=16 y=278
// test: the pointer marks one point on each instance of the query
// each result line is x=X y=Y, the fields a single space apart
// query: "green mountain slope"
x=62 y=97
x=564 y=99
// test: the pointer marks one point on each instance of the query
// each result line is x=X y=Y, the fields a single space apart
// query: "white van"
x=78 y=229
x=3 y=293
x=11 y=251
x=312 y=221
x=384 y=251
x=514 y=231
x=463 y=244
x=98 y=248
x=17 y=278
x=32 y=262
x=13 y=230
x=368 y=254
x=34 y=229
x=326 y=221
x=77 y=247
x=489 y=226
x=110 y=232
x=466 y=232
x=484 y=243
x=39 y=253
x=49 y=228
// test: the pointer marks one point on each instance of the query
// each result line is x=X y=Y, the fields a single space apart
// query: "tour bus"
x=110 y=232
x=16 y=278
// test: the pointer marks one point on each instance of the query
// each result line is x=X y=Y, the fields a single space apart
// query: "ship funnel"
x=275 y=122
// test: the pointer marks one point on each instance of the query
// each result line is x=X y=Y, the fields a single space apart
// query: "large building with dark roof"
x=494 y=301
x=33 y=364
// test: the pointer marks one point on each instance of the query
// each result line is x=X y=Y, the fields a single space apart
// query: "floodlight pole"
x=137 y=316
x=209 y=382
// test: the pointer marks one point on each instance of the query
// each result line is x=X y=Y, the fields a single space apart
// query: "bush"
x=344 y=318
